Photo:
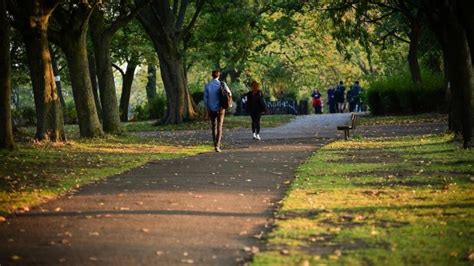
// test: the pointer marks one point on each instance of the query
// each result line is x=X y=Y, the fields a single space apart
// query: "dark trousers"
x=332 y=107
x=256 y=122
x=352 y=106
x=318 y=110
x=217 y=119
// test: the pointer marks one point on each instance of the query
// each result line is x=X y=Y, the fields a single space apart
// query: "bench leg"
x=346 y=133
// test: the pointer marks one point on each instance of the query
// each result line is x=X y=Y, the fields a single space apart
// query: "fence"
x=278 y=107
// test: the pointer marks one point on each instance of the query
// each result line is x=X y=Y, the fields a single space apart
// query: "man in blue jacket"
x=215 y=112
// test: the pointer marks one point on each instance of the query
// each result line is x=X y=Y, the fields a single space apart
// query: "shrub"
x=24 y=116
x=157 y=107
x=151 y=110
x=397 y=94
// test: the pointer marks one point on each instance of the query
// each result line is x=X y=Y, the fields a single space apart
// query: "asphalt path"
x=209 y=209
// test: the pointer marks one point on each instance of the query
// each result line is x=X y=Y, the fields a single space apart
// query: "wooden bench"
x=348 y=127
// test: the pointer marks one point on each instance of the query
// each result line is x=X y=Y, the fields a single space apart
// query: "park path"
x=209 y=209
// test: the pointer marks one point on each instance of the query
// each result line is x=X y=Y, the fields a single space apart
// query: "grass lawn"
x=396 y=201
x=402 y=119
x=230 y=121
x=37 y=172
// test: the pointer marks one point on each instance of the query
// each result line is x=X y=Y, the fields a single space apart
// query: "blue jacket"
x=212 y=95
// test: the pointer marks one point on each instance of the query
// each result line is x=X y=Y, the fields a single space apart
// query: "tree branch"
x=88 y=13
x=119 y=69
x=125 y=19
x=50 y=6
x=182 y=12
x=199 y=5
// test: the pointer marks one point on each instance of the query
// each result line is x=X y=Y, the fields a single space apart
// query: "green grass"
x=230 y=121
x=402 y=119
x=37 y=172
x=405 y=200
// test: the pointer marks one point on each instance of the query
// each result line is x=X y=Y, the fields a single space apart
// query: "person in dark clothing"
x=351 y=99
x=331 y=100
x=317 y=103
x=357 y=97
x=339 y=96
x=255 y=107
x=216 y=113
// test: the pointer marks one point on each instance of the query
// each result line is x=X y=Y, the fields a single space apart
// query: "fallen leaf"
x=470 y=256
x=284 y=252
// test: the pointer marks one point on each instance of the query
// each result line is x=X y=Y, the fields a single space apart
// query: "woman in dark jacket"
x=255 y=106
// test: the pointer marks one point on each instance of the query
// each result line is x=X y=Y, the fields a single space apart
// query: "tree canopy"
x=110 y=48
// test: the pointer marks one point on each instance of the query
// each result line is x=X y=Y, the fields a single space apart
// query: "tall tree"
x=31 y=18
x=377 y=21
x=453 y=35
x=166 y=24
x=105 y=22
x=70 y=32
x=127 y=81
x=6 y=132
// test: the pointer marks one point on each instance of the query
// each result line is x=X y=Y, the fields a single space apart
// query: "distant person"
x=216 y=113
x=255 y=107
x=353 y=97
x=317 y=103
x=339 y=96
x=356 y=94
x=331 y=100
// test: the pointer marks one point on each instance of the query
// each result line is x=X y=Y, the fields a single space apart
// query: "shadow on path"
x=203 y=209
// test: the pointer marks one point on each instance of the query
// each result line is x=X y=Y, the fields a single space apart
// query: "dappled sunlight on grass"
x=403 y=119
x=36 y=172
x=390 y=201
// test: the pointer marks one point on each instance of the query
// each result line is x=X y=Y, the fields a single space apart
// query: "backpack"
x=224 y=98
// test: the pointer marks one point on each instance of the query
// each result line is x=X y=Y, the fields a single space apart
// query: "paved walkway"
x=209 y=209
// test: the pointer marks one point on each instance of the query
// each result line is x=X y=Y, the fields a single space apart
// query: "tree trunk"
x=151 y=84
x=179 y=101
x=413 y=53
x=461 y=75
x=467 y=20
x=95 y=85
x=167 y=32
x=57 y=77
x=101 y=41
x=49 y=116
x=127 y=90
x=75 y=48
x=6 y=130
